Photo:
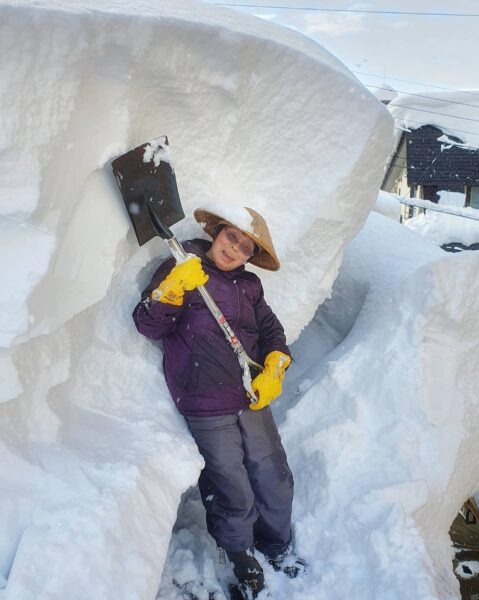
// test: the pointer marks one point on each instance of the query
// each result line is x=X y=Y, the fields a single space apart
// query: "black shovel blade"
x=147 y=182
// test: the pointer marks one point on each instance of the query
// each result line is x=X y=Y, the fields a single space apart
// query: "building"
x=430 y=160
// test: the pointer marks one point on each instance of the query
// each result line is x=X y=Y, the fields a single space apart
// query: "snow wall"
x=93 y=457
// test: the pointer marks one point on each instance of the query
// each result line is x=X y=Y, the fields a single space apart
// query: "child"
x=246 y=485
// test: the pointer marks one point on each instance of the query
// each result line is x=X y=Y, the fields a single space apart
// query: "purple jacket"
x=201 y=369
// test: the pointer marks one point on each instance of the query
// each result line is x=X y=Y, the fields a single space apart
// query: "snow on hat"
x=251 y=224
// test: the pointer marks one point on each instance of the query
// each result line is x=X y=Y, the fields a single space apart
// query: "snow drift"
x=388 y=419
x=94 y=459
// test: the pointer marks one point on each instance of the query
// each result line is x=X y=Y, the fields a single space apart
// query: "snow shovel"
x=147 y=182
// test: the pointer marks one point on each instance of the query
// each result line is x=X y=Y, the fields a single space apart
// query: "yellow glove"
x=269 y=383
x=184 y=276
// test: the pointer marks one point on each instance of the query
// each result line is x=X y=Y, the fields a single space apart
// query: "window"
x=429 y=192
x=474 y=197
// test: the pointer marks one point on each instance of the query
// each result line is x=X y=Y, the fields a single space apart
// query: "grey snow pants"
x=246 y=485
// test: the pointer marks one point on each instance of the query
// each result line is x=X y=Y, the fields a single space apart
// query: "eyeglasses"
x=246 y=249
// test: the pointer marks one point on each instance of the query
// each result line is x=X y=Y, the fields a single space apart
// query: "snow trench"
x=377 y=417
x=388 y=419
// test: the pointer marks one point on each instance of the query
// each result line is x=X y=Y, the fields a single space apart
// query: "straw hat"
x=266 y=257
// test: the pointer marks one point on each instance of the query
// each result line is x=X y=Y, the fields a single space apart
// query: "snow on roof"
x=455 y=113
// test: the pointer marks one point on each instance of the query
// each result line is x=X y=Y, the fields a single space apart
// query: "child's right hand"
x=185 y=276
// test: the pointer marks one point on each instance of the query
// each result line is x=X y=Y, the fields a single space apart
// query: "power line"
x=436 y=87
x=348 y=10
x=380 y=87
x=394 y=162
x=431 y=112
x=393 y=165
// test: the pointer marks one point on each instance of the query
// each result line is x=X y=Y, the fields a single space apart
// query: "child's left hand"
x=269 y=383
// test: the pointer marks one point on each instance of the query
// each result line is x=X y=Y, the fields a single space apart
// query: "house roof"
x=436 y=126
x=440 y=160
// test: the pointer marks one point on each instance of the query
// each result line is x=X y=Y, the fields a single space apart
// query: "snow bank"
x=93 y=457
x=443 y=229
x=384 y=440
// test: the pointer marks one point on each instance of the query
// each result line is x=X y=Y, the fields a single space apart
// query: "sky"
x=429 y=50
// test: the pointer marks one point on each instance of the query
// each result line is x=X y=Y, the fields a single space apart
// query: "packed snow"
x=97 y=469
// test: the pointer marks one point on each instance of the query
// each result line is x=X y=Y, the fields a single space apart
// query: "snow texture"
x=388 y=419
x=93 y=457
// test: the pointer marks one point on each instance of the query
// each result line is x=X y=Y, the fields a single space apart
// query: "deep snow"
x=379 y=407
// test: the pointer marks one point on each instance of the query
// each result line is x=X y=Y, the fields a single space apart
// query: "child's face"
x=231 y=248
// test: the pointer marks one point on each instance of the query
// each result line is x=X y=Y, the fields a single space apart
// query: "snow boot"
x=248 y=572
x=287 y=562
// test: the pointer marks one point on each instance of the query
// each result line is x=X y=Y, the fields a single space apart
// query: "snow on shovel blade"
x=145 y=175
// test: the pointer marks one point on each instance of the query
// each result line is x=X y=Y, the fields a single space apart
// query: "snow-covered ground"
x=461 y=226
x=379 y=411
